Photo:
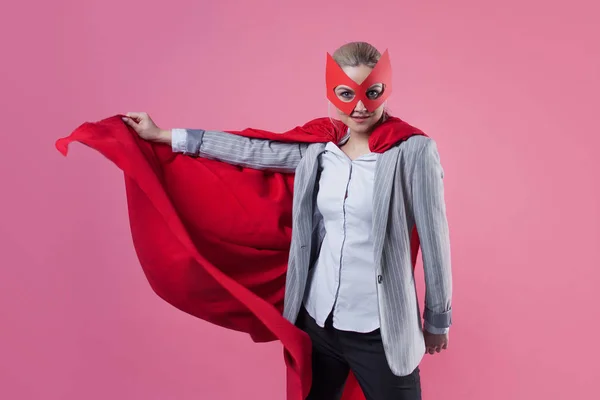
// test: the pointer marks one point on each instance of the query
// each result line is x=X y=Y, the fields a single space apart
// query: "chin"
x=364 y=127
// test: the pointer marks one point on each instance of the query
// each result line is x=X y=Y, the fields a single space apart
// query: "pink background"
x=509 y=90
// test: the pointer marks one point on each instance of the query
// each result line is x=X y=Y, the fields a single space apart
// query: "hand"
x=143 y=125
x=435 y=343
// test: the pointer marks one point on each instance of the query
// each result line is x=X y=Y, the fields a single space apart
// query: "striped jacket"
x=408 y=191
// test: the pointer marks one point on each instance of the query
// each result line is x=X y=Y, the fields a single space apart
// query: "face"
x=359 y=92
x=360 y=120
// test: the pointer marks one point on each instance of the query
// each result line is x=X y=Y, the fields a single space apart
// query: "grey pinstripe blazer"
x=408 y=191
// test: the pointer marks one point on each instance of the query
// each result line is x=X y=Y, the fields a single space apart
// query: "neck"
x=357 y=145
x=359 y=137
x=362 y=138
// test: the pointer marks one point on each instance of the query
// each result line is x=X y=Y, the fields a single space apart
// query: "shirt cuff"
x=443 y=319
x=436 y=331
x=179 y=140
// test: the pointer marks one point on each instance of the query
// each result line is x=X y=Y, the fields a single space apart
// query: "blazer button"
x=379 y=278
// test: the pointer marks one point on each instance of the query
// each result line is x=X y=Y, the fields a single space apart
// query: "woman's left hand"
x=435 y=343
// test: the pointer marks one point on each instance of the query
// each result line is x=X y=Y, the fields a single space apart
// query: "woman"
x=350 y=282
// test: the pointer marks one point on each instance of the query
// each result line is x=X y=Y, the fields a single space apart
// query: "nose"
x=360 y=107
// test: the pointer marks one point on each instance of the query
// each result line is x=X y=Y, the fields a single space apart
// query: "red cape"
x=213 y=239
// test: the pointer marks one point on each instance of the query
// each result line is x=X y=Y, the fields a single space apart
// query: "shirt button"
x=379 y=278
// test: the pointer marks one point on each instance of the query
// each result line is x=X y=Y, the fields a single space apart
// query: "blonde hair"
x=354 y=54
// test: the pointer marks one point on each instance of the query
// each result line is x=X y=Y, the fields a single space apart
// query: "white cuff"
x=436 y=331
x=179 y=140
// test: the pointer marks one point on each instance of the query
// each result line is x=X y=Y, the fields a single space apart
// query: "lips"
x=360 y=118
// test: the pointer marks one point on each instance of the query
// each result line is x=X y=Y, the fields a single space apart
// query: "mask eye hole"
x=345 y=94
x=375 y=91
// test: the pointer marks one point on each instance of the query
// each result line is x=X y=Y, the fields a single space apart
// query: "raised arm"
x=238 y=150
x=430 y=217
x=231 y=148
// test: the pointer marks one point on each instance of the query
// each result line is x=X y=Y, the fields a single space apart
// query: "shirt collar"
x=330 y=146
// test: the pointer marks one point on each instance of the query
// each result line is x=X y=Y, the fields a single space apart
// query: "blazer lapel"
x=301 y=246
x=385 y=172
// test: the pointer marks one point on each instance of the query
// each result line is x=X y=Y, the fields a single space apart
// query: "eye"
x=373 y=94
x=345 y=95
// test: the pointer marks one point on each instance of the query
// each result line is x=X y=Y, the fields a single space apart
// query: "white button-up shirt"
x=343 y=279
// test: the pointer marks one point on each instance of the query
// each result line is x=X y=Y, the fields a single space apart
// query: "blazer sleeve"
x=432 y=225
x=238 y=150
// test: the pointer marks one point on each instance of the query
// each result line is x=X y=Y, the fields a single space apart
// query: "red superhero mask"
x=335 y=76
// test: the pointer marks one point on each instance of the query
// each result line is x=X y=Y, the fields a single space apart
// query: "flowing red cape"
x=213 y=239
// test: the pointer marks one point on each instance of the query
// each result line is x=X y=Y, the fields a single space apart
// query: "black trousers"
x=336 y=353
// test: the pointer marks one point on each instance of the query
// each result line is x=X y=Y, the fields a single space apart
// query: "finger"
x=129 y=121
x=430 y=350
x=445 y=346
x=136 y=115
x=438 y=349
